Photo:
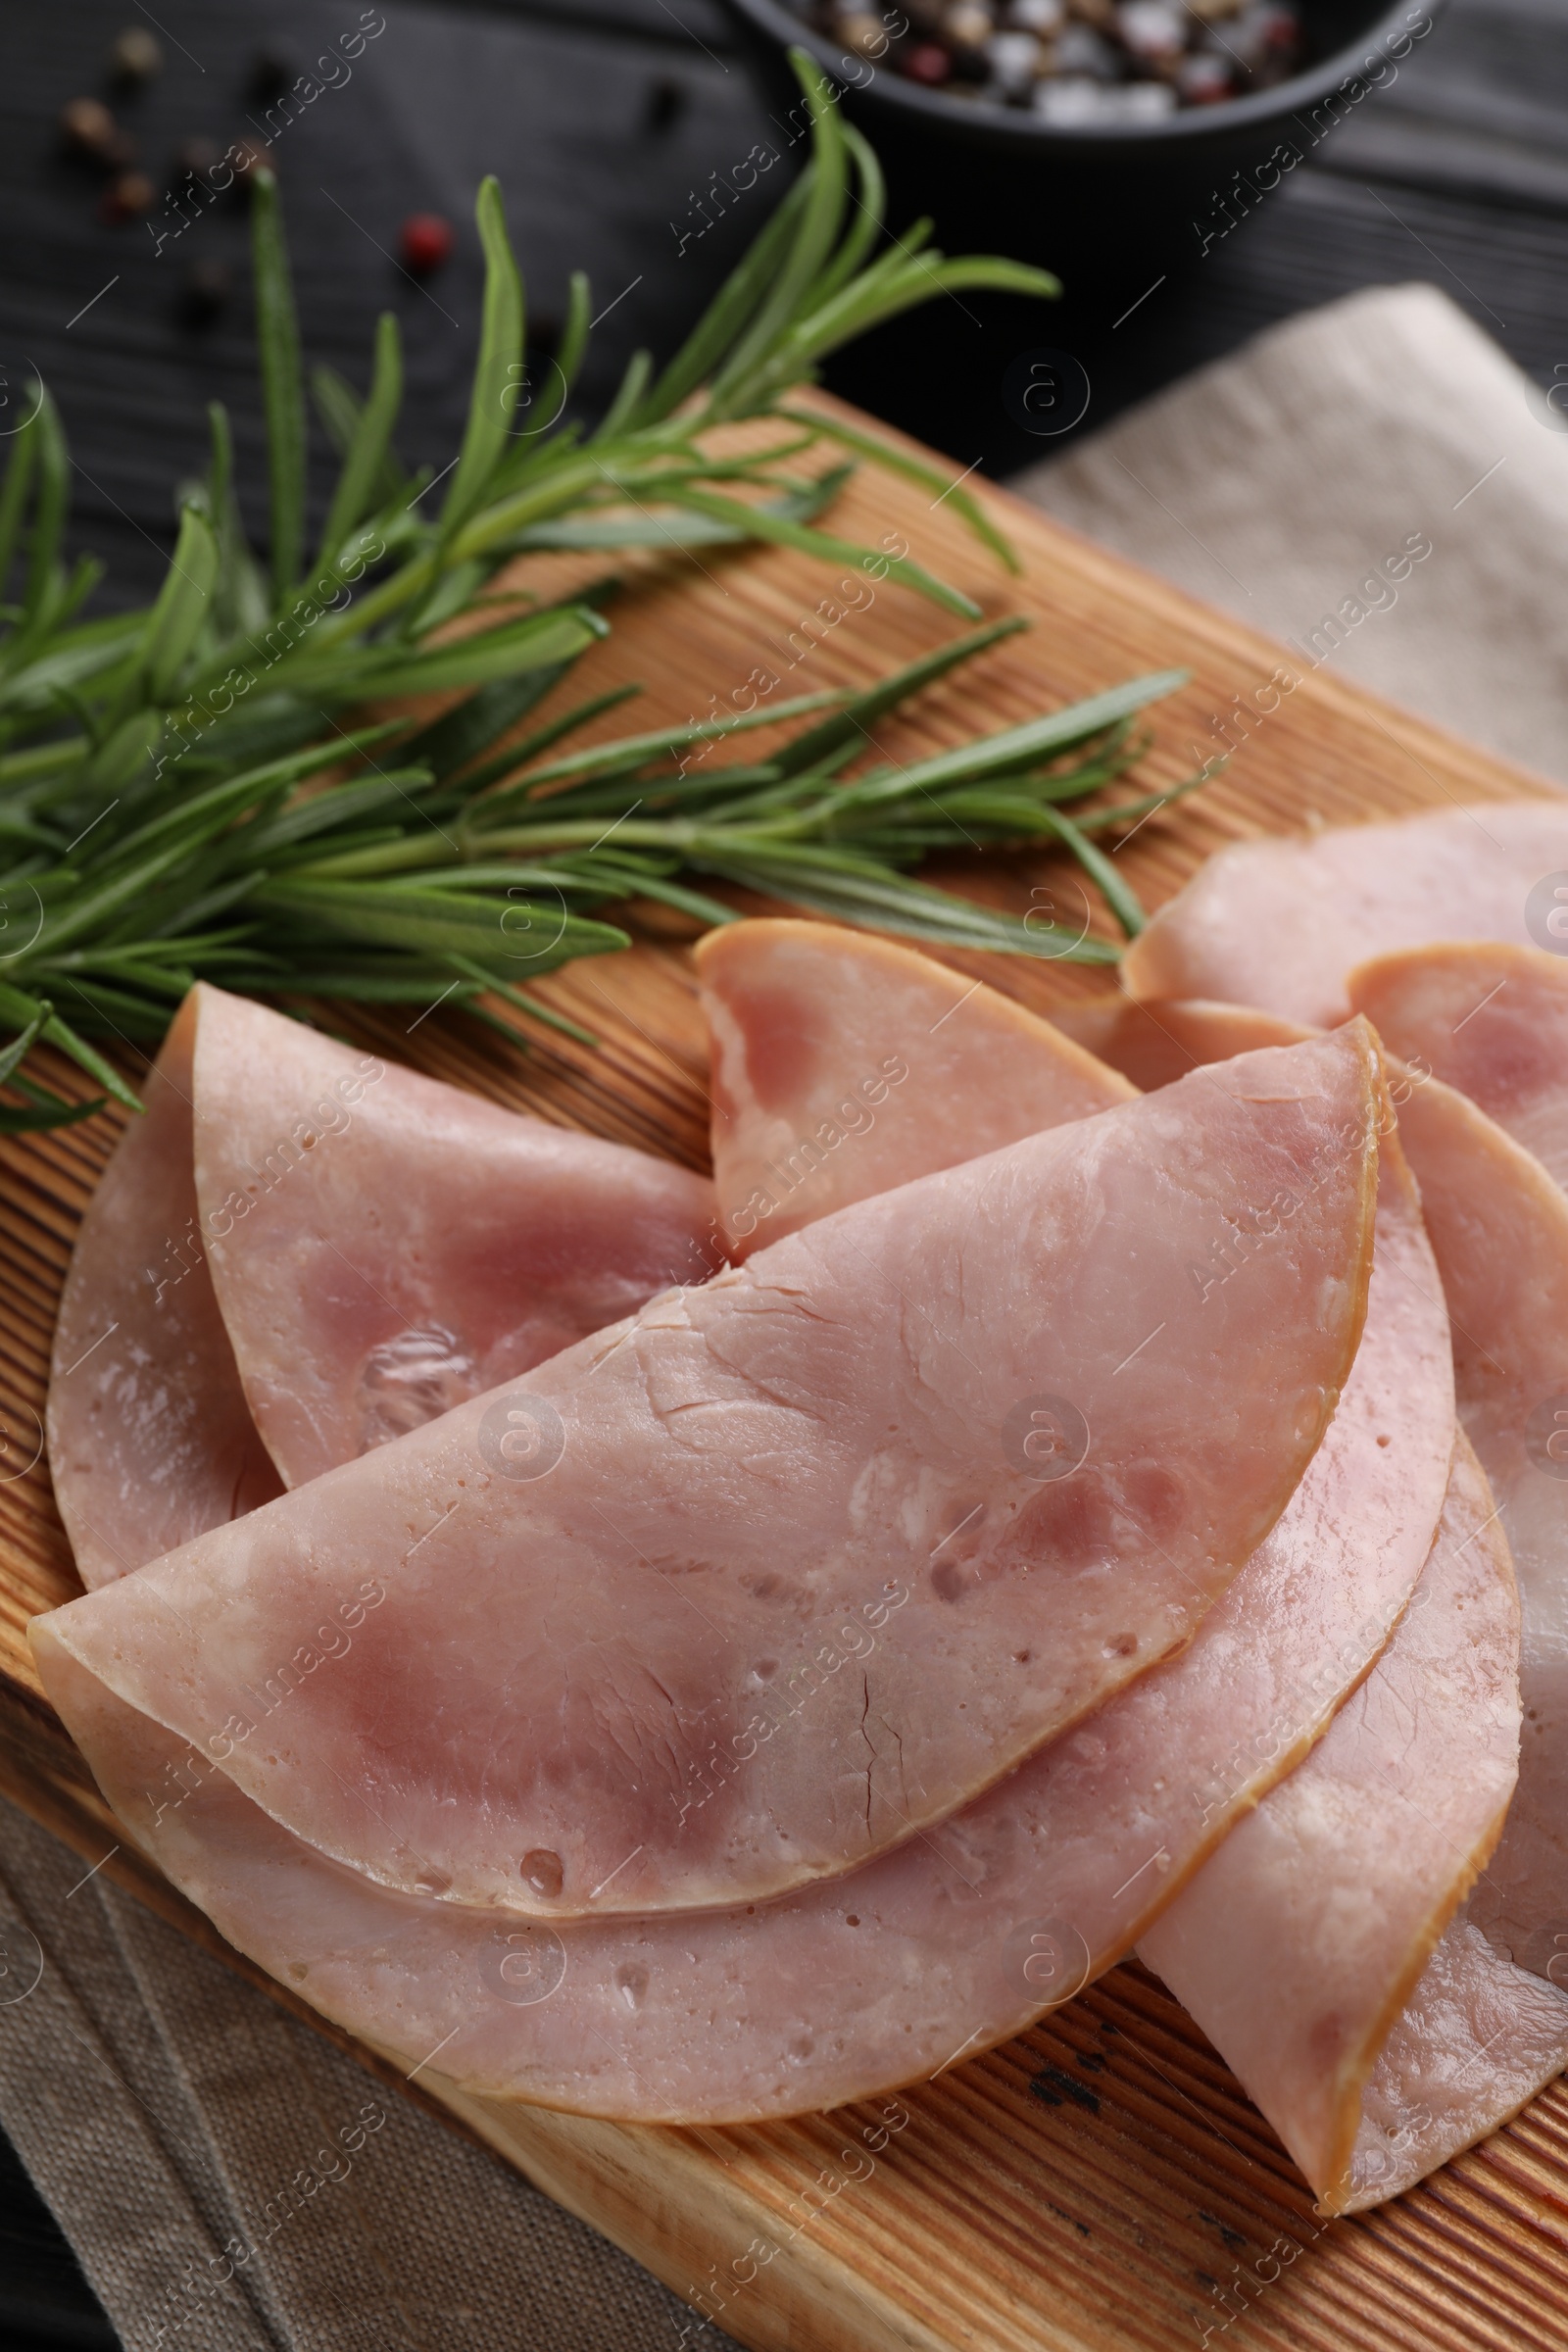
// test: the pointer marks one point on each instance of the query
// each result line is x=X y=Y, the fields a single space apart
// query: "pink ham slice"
x=150 y=1439
x=384 y=1246
x=1499 y=1228
x=1279 y=923
x=954 y=1940
x=843 y=1065
x=1154 y=1045
x=1492 y=1021
x=1301 y=1941
x=1486 y=2026
x=1476 y=2040
x=734 y=1488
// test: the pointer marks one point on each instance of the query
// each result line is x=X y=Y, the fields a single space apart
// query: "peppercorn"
x=128 y=196
x=89 y=129
x=424 y=243
x=865 y=34
x=136 y=57
x=927 y=62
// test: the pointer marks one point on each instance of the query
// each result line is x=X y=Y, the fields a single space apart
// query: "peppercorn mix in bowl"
x=1065 y=130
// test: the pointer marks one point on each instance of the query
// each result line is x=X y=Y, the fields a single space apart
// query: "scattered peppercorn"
x=136 y=57
x=128 y=196
x=89 y=129
x=424 y=243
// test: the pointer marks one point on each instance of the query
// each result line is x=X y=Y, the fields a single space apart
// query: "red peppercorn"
x=927 y=62
x=425 y=241
x=127 y=198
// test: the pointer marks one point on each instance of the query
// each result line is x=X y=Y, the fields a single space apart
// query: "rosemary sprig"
x=180 y=797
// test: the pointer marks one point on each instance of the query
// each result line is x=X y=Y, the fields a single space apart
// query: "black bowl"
x=998 y=177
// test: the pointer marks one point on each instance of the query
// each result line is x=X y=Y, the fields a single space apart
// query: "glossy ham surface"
x=845 y=1065
x=150 y=1439
x=1297 y=1945
x=820 y=1525
x=954 y=1941
x=384 y=1246
x=1279 y=923
x=1492 y=1021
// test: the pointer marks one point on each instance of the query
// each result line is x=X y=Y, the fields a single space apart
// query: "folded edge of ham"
x=151 y=1441
x=1154 y=1045
x=845 y=1065
x=1277 y=924
x=954 y=1940
x=1486 y=2026
x=1298 y=1944
x=860 y=1398
x=1474 y=2043
x=1500 y=1229
x=1492 y=1021
x=384 y=1246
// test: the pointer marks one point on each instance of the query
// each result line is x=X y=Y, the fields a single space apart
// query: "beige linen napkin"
x=232 y=2183
x=171 y=2115
x=1286 y=483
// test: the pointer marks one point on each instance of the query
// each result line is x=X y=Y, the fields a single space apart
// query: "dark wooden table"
x=603 y=119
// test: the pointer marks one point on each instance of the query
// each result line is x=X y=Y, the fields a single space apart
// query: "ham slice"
x=1486 y=2024
x=1500 y=1229
x=731 y=1497
x=955 y=1940
x=150 y=1439
x=1154 y=1045
x=1279 y=923
x=384 y=1246
x=1492 y=1021
x=381 y=1247
x=843 y=1065
x=1477 y=2038
x=1300 y=1941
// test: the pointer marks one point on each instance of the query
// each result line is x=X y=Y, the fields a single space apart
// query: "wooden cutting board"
x=1101 y=2182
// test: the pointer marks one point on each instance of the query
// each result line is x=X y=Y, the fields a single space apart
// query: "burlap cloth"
x=230 y=2182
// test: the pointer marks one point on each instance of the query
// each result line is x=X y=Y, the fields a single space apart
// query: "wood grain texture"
x=1101 y=2183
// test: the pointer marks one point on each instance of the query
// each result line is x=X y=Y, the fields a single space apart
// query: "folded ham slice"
x=1500 y=1229
x=150 y=1439
x=1279 y=923
x=381 y=1246
x=659 y=1538
x=384 y=1246
x=1154 y=1045
x=1476 y=2040
x=954 y=1940
x=1492 y=1021
x=843 y=1065
x=1486 y=2024
x=1300 y=1941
